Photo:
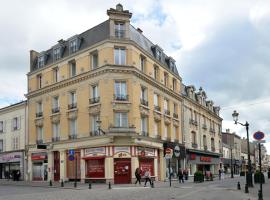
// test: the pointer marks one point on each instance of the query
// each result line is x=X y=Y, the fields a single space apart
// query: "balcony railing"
x=39 y=114
x=144 y=133
x=95 y=133
x=194 y=122
x=40 y=141
x=166 y=112
x=55 y=139
x=157 y=108
x=120 y=97
x=144 y=102
x=94 y=100
x=56 y=110
x=72 y=136
x=204 y=126
x=194 y=145
x=72 y=106
x=119 y=33
x=175 y=115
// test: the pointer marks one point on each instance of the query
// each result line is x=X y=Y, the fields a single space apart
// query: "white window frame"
x=56 y=74
x=156 y=97
x=95 y=91
x=41 y=61
x=72 y=69
x=73 y=45
x=123 y=118
x=73 y=130
x=56 y=129
x=144 y=124
x=144 y=93
x=119 y=58
x=55 y=102
x=56 y=53
x=142 y=63
x=39 y=132
x=72 y=97
x=94 y=60
x=120 y=88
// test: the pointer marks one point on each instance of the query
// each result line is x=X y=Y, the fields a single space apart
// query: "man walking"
x=147 y=177
x=138 y=175
x=180 y=175
x=219 y=174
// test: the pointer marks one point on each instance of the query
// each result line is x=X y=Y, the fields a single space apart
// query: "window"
x=55 y=104
x=174 y=84
x=39 y=109
x=95 y=118
x=195 y=116
x=156 y=103
x=158 y=54
x=156 y=128
x=1 y=146
x=1 y=126
x=39 y=81
x=56 y=131
x=57 y=53
x=166 y=131
x=95 y=91
x=120 y=89
x=72 y=100
x=174 y=136
x=16 y=123
x=40 y=61
x=156 y=72
x=166 y=107
x=39 y=133
x=73 y=46
x=55 y=75
x=212 y=144
x=144 y=96
x=175 y=108
x=73 y=127
x=144 y=127
x=119 y=30
x=121 y=119
x=15 y=143
x=142 y=63
x=94 y=60
x=204 y=142
x=120 y=56
x=72 y=69
x=166 y=79
x=193 y=138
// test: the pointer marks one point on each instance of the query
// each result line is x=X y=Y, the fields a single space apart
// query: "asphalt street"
x=216 y=190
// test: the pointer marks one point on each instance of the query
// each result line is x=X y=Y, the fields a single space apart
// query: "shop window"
x=95 y=168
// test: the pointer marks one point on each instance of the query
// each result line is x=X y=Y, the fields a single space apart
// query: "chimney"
x=139 y=30
x=33 y=56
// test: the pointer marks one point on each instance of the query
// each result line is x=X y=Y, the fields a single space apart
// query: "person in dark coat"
x=138 y=175
x=219 y=174
x=180 y=175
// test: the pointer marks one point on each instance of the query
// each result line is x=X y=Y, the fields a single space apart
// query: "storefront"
x=146 y=158
x=95 y=164
x=202 y=161
x=236 y=165
x=10 y=164
x=177 y=161
x=72 y=165
x=39 y=166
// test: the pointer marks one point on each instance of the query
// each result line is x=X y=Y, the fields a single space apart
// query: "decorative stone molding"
x=72 y=114
x=175 y=122
x=55 y=118
x=94 y=109
x=157 y=116
x=120 y=106
x=144 y=111
x=39 y=122
x=167 y=120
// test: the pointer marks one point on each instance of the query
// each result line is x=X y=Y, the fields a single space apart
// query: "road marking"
x=126 y=188
x=186 y=187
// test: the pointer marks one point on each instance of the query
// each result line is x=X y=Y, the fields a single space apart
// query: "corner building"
x=110 y=96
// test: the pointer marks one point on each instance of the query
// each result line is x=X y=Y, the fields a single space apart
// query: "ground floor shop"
x=12 y=165
x=203 y=161
x=228 y=165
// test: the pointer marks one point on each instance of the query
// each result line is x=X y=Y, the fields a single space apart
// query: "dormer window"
x=158 y=55
x=57 y=53
x=40 y=62
x=73 y=45
x=119 y=30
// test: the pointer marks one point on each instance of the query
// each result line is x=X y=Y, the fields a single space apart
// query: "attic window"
x=56 y=53
x=73 y=45
x=158 y=55
x=41 y=61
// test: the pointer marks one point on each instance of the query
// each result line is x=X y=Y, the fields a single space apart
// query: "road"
x=225 y=189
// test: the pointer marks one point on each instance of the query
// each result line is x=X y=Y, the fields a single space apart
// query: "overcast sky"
x=223 y=46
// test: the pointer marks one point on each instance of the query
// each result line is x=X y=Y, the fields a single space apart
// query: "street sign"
x=258 y=135
x=259 y=141
x=71 y=152
x=71 y=157
x=177 y=151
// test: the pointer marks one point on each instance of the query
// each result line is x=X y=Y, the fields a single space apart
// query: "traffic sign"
x=71 y=152
x=258 y=135
x=177 y=151
x=71 y=157
x=259 y=141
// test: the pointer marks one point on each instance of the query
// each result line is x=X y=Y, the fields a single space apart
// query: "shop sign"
x=205 y=159
x=11 y=157
x=122 y=149
x=98 y=151
x=122 y=155
x=145 y=152
x=39 y=156
x=193 y=156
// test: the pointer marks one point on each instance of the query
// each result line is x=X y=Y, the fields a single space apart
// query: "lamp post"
x=249 y=174
x=231 y=164
x=98 y=126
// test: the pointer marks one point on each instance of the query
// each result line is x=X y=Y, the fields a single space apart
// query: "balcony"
x=194 y=145
x=144 y=133
x=204 y=126
x=166 y=112
x=72 y=106
x=212 y=130
x=119 y=33
x=120 y=97
x=94 y=100
x=175 y=115
x=55 y=139
x=40 y=141
x=122 y=130
x=144 y=102
x=157 y=108
x=39 y=114
x=72 y=137
x=56 y=110
x=194 y=122
x=96 y=133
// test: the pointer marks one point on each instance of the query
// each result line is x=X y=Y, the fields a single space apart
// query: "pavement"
x=211 y=190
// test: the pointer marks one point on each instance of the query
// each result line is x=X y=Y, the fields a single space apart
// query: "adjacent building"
x=13 y=131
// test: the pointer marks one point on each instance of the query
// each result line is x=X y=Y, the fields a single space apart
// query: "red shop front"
x=146 y=160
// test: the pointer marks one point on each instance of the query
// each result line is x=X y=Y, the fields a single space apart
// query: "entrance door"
x=122 y=171
x=56 y=165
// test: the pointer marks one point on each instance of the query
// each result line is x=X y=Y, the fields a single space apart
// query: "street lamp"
x=249 y=174
x=98 y=126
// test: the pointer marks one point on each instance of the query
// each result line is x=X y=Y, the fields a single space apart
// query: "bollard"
x=110 y=187
x=152 y=184
x=50 y=182
x=246 y=188
x=75 y=184
x=90 y=186
x=260 y=195
x=62 y=183
x=238 y=186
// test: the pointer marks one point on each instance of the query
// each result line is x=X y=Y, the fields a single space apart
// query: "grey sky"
x=223 y=46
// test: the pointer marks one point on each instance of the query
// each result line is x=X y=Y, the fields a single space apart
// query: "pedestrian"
x=147 y=177
x=219 y=174
x=185 y=173
x=180 y=175
x=18 y=175
x=138 y=175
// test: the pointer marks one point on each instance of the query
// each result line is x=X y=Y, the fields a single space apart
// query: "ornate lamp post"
x=98 y=126
x=249 y=174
